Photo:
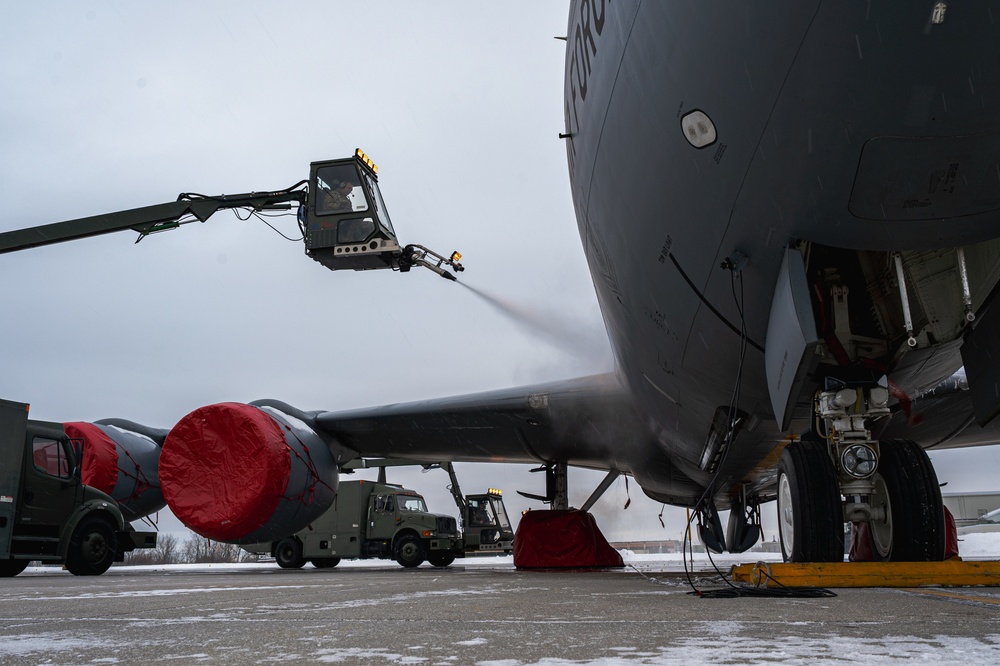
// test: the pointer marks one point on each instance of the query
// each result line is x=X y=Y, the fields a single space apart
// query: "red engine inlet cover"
x=224 y=469
x=100 y=456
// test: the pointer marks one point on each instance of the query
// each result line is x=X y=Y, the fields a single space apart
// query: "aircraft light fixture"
x=698 y=129
x=859 y=460
x=879 y=397
x=360 y=154
x=845 y=397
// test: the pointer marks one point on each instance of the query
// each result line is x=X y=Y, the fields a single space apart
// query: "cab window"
x=384 y=503
x=412 y=503
x=383 y=214
x=355 y=230
x=339 y=190
x=49 y=456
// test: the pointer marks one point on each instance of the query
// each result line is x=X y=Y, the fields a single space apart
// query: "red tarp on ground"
x=570 y=538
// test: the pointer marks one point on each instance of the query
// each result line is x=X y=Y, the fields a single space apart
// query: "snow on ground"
x=979 y=545
x=795 y=651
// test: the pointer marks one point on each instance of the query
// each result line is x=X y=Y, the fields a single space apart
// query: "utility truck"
x=47 y=514
x=370 y=520
x=375 y=519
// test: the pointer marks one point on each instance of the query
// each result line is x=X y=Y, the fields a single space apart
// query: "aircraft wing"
x=577 y=421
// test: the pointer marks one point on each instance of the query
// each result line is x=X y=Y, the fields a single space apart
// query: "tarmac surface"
x=473 y=613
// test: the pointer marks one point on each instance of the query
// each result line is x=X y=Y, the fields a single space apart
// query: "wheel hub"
x=786 y=516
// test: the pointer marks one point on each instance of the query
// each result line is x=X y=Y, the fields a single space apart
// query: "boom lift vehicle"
x=341 y=214
x=46 y=512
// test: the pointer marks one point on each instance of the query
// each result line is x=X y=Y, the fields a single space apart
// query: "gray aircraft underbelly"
x=804 y=98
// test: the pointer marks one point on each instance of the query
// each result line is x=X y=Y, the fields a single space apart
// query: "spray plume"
x=562 y=334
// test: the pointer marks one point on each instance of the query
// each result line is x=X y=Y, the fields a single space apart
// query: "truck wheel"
x=440 y=559
x=409 y=551
x=92 y=548
x=288 y=554
x=325 y=562
x=10 y=568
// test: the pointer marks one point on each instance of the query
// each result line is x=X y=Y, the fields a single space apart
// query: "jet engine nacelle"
x=245 y=474
x=121 y=458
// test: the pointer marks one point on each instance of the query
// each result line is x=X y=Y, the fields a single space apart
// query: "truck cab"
x=487 y=527
x=47 y=513
x=345 y=221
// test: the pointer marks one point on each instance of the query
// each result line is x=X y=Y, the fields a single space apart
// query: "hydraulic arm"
x=340 y=212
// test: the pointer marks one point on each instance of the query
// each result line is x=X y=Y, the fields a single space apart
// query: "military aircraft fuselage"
x=701 y=132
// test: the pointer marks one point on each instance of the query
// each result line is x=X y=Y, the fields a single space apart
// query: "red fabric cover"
x=224 y=469
x=950 y=535
x=861 y=544
x=547 y=539
x=861 y=548
x=99 y=468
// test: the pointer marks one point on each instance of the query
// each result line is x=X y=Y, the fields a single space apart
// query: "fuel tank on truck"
x=121 y=458
x=246 y=473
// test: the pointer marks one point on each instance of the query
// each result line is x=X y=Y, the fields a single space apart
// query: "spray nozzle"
x=418 y=255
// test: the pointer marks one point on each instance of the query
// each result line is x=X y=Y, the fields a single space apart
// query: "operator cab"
x=345 y=223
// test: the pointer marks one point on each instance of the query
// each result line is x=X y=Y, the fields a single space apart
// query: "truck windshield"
x=340 y=190
x=501 y=513
x=411 y=503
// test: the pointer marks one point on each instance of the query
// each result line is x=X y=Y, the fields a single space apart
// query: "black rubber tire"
x=810 y=510
x=441 y=559
x=288 y=553
x=409 y=551
x=10 y=568
x=915 y=507
x=92 y=548
x=325 y=562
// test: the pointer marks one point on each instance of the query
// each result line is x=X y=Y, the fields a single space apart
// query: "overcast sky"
x=107 y=106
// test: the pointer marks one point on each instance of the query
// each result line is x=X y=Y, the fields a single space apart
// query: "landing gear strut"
x=840 y=474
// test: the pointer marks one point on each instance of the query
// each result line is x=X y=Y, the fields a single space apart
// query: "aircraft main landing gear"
x=840 y=474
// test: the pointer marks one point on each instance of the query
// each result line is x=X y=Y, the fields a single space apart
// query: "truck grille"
x=446 y=525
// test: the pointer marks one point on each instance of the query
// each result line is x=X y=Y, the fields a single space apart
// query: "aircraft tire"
x=288 y=554
x=440 y=559
x=907 y=484
x=810 y=515
x=92 y=548
x=325 y=562
x=408 y=551
x=10 y=568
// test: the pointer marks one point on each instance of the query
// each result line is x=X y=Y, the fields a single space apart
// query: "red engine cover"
x=224 y=468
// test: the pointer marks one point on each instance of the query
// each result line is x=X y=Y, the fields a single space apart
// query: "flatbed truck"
x=47 y=513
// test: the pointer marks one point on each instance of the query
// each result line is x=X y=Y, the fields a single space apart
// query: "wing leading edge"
x=587 y=422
